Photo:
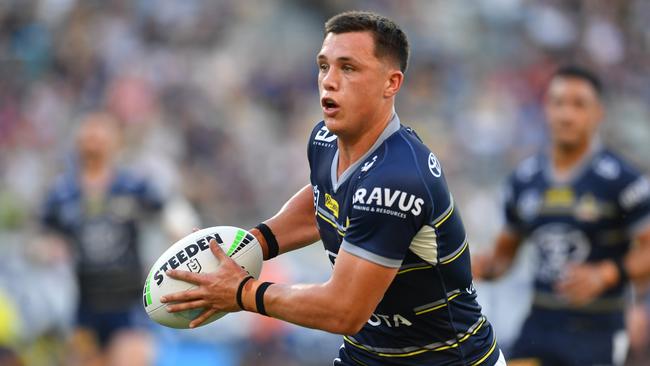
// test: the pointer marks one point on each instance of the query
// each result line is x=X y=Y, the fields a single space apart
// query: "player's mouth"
x=330 y=107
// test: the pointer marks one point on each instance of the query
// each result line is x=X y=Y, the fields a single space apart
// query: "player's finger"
x=565 y=287
x=186 y=276
x=189 y=305
x=217 y=251
x=182 y=296
x=202 y=317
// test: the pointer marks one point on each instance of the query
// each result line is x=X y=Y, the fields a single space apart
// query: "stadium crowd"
x=216 y=99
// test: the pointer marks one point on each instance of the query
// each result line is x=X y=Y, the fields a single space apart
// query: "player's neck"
x=352 y=148
x=95 y=173
x=565 y=158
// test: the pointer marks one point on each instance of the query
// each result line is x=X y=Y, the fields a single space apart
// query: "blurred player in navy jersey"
x=401 y=290
x=96 y=208
x=587 y=212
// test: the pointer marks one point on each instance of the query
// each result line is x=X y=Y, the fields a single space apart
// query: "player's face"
x=573 y=110
x=352 y=82
x=96 y=140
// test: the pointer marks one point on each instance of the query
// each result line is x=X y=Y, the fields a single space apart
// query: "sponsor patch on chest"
x=387 y=201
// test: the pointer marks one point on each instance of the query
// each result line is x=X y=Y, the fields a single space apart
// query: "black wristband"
x=240 y=289
x=259 y=297
x=623 y=276
x=271 y=242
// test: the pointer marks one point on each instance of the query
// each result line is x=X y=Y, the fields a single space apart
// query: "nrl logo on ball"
x=194 y=265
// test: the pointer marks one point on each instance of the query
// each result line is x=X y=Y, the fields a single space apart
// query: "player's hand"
x=481 y=267
x=215 y=293
x=582 y=283
x=487 y=267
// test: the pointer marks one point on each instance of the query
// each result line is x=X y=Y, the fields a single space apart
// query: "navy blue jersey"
x=103 y=234
x=590 y=216
x=392 y=207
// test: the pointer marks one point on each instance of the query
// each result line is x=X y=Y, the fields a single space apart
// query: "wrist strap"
x=271 y=242
x=623 y=276
x=240 y=289
x=259 y=297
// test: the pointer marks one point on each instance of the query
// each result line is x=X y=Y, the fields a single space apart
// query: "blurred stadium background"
x=216 y=99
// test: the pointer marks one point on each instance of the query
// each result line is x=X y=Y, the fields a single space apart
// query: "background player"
x=95 y=209
x=584 y=208
x=401 y=289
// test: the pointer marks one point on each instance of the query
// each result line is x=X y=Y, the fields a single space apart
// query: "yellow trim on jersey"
x=357 y=361
x=436 y=225
x=525 y=362
x=420 y=351
x=361 y=346
x=331 y=223
x=464 y=338
x=414 y=269
x=465 y=245
x=489 y=352
x=438 y=306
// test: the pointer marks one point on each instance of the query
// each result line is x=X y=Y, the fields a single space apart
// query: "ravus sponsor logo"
x=387 y=201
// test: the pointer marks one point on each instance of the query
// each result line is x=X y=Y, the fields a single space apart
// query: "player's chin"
x=567 y=142
x=335 y=124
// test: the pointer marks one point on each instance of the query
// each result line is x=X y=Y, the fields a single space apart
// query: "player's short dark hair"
x=390 y=40
x=580 y=72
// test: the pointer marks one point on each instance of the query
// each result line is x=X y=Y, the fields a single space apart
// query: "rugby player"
x=95 y=208
x=582 y=206
x=401 y=290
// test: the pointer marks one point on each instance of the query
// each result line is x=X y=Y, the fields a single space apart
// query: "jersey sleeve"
x=150 y=195
x=49 y=213
x=635 y=204
x=385 y=217
x=513 y=221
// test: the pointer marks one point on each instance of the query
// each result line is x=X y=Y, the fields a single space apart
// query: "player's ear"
x=393 y=83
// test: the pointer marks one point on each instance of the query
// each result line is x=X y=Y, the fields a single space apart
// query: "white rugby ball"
x=192 y=253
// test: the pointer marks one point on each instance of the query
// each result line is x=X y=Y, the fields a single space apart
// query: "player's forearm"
x=294 y=226
x=499 y=261
x=637 y=262
x=314 y=306
x=635 y=265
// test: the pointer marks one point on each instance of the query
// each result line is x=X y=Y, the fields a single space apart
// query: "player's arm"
x=635 y=266
x=635 y=201
x=293 y=227
x=341 y=305
x=637 y=261
x=584 y=282
x=494 y=264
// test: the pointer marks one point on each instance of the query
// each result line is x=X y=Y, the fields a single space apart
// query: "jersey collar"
x=577 y=171
x=392 y=127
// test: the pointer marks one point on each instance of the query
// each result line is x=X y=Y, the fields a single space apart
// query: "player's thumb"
x=217 y=251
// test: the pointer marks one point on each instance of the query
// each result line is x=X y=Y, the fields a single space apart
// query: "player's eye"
x=323 y=67
x=580 y=103
x=348 y=68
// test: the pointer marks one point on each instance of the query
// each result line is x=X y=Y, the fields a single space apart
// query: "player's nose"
x=330 y=81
